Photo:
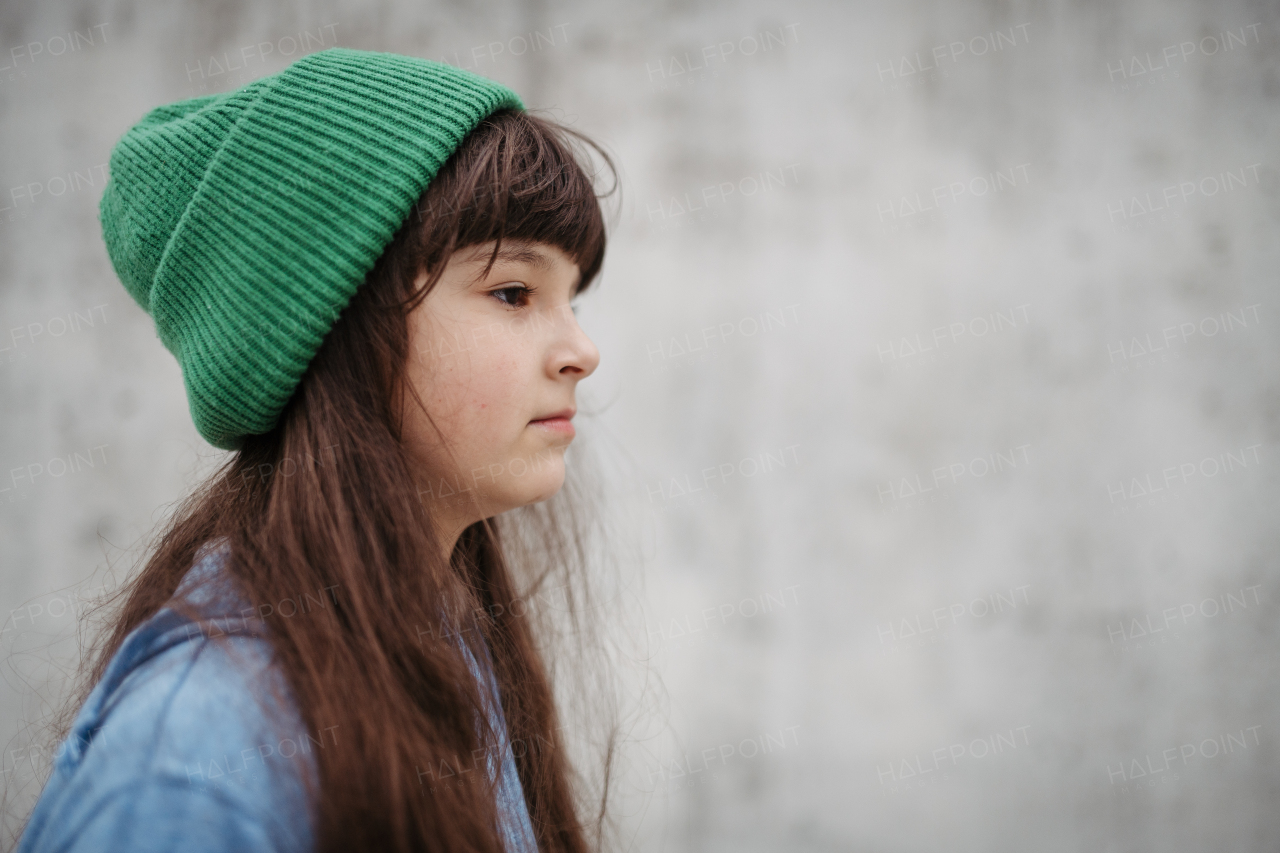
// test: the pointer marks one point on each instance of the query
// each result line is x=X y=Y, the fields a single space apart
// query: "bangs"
x=517 y=177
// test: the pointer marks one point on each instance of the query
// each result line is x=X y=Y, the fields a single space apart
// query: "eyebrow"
x=516 y=254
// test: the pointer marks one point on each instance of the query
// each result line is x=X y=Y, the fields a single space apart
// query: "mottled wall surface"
x=938 y=386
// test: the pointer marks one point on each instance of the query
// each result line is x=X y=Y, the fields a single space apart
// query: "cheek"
x=477 y=398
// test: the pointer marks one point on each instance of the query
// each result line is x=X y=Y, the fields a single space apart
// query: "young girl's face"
x=496 y=361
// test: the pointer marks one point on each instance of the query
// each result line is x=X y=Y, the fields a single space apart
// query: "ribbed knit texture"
x=244 y=222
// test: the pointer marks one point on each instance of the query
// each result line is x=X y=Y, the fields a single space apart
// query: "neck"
x=449 y=522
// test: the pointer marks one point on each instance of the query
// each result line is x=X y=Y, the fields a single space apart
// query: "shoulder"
x=190 y=739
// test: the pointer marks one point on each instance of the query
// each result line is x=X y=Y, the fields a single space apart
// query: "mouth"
x=560 y=421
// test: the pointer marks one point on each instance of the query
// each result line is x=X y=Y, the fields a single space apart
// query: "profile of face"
x=496 y=360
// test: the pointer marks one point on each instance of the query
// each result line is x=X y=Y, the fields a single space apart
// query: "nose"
x=574 y=353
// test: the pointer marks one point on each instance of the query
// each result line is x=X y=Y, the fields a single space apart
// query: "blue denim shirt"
x=172 y=750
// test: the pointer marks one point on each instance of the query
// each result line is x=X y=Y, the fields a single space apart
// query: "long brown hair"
x=327 y=501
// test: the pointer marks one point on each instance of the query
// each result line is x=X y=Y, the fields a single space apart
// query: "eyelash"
x=525 y=292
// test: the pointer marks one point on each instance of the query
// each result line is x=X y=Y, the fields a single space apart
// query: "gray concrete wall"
x=939 y=370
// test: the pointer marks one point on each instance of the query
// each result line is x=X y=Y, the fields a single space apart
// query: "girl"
x=365 y=265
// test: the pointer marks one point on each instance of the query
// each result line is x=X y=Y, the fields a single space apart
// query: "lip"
x=559 y=421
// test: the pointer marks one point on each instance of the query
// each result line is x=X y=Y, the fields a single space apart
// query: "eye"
x=519 y=294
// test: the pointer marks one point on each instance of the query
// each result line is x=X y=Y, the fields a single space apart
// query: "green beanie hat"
x=244 y=222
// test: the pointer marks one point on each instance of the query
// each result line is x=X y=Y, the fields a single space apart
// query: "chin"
x=545 y=489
